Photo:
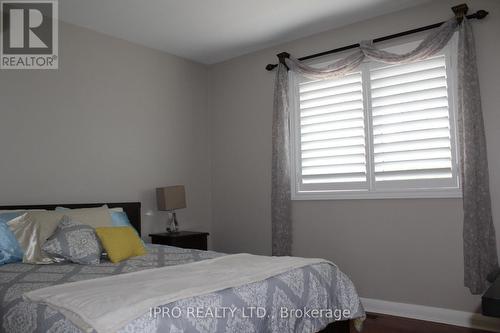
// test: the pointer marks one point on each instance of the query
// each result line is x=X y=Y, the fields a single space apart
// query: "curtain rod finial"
x=283 y=55
x=481 y=14
x=460 y=11
x=270 y=67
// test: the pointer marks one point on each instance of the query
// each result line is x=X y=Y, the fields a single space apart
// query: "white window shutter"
x=411 y=122
x=332 y=133
x=387 y=131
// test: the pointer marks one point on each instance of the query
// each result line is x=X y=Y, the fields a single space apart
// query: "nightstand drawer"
x=183 y=239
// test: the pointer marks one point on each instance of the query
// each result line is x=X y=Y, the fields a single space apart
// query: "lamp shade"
x=171 y=197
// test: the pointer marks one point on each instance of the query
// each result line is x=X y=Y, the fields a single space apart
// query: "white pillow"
x=49 y=220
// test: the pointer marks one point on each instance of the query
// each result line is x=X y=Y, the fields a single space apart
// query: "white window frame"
x=372 y=190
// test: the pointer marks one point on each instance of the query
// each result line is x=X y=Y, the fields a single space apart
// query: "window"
x=386 y=131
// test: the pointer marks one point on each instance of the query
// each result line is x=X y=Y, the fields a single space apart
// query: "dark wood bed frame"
x=133 y=210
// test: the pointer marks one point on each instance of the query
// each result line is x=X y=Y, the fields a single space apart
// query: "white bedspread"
x=109 y=303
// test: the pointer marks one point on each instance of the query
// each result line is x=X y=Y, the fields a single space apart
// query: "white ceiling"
x=211 y=31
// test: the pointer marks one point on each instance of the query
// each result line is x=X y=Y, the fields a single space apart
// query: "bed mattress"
x=283 y=303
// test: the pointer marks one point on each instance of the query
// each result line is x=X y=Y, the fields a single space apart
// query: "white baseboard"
x=428 y=313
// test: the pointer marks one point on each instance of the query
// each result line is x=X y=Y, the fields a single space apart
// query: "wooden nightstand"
x=184 y=239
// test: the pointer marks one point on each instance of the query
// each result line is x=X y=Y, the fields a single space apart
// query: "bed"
x=317 y=286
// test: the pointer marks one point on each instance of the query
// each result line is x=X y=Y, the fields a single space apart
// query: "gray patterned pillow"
x=75 y=242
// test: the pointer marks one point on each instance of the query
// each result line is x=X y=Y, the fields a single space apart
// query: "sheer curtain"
x=480 y=254
x=281 y=214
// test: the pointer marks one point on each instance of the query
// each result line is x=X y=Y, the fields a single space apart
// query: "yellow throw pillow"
x=120 y=243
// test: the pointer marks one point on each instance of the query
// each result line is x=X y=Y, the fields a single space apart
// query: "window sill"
x=350 y=195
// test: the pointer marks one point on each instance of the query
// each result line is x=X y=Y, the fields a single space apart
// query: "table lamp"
x=169 y=199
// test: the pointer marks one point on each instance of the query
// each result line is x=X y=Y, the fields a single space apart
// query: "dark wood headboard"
x=133 y=209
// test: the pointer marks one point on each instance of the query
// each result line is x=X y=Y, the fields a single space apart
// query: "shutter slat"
x=412 y=125
x=323 y=84
x=337 y=116
x=320 y=93
x=411 y=115
x=410 y=96
x=336 y=134
x=339 y=159
x=332 y=108
x=415 y=174
x=413 y=135
x=430 y=103
x=423 y=164
x=334 y=143
x=409 y=77
x=329 y=100
x=336 y=178
x=340 y=151
x=399 y=89
x=421 y=154
x=332 y=125
x=395 y=70
x=411 y=145
x=334 y=169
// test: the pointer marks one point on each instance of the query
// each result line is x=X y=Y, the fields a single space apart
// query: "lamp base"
x=172 y=224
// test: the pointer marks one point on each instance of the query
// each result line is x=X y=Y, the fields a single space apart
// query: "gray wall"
x=114 y=122
x=407 y=250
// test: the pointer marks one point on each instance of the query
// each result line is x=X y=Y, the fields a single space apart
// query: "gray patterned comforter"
x=283 y=303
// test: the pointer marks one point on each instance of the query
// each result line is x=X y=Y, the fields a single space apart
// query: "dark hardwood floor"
x=380 y=323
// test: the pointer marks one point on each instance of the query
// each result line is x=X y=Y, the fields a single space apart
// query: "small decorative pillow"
x=120 y=219
x=75 y=242
x=7 y=216
x=120 y=243
x=10 y=251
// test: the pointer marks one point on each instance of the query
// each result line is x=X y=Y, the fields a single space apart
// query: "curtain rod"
x=459 y=11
